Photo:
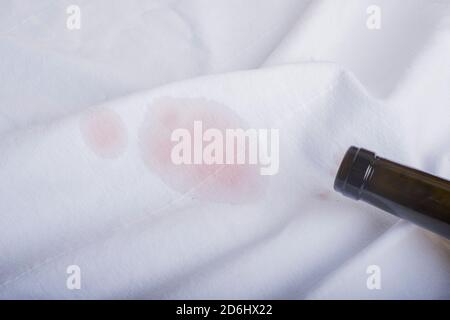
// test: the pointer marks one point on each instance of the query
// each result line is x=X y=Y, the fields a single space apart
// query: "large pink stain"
x=230 y=183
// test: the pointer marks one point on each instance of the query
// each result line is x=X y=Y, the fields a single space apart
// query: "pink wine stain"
x=324 y=195
x=230 y=183
x=104 y=132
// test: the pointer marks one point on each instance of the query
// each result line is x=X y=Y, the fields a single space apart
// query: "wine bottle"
x=409 y=194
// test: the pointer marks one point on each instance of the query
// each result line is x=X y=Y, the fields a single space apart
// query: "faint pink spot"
x=324 y=196
x=104 y=132
x=232 y=183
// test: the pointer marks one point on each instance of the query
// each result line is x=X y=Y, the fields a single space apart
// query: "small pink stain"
x=231 y=183
x=324 y=196
x=104 y=132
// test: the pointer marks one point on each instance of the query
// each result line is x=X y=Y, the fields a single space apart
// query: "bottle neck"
x=408 y=193
x=405 y=192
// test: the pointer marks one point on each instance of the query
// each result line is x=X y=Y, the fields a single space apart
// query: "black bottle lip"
x=355 y=170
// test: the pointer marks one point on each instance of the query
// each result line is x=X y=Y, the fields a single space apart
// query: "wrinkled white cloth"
x=79 y=109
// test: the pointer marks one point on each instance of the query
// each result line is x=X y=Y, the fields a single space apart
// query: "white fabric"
x=310 y=68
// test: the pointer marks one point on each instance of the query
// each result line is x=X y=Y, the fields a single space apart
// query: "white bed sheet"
x=310 y=68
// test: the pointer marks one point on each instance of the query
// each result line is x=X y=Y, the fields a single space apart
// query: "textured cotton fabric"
x=79 y=184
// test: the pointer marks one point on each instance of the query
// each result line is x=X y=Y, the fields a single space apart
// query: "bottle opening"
x=355 y=170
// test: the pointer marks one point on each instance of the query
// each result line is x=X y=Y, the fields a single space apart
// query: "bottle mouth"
x=355 y=170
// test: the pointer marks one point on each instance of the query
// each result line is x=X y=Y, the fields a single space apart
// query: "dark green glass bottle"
x=408 y=193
